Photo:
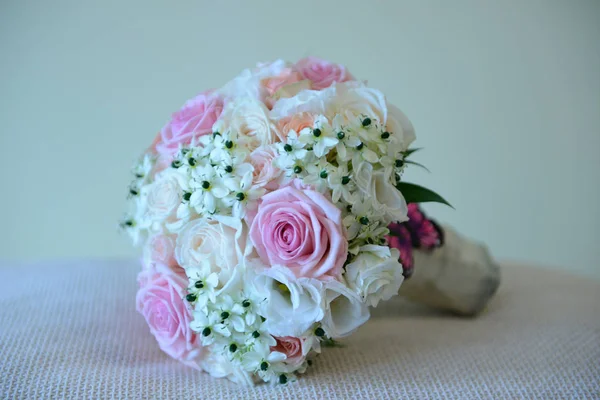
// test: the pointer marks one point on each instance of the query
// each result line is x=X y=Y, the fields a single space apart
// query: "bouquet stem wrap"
x=460 y=276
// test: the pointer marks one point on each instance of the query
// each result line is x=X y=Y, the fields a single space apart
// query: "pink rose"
x=300 y=229
x=265 y=173
x=322 y=73
x=291 y=347
x=160 y=301
x=195 y=119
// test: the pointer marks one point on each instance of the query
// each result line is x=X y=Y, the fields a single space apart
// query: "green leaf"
x=417 y=164
x=410 y=151
x=418 y=194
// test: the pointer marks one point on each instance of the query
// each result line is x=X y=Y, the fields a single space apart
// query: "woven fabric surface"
x=70 y=330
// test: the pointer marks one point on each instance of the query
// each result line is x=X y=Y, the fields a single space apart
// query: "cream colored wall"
x=505 y=97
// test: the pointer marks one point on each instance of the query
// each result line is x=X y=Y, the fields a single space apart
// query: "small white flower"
x=208 y=188
x=141 y=170
x=210 y=327
x=317 y=174
x=363 y=152
x=291 y=151
x=341 y=184
x=245 y=194
x=261 y=359
x=231 y=312
x=321 y=137
x=362 y=216
x=203 y=283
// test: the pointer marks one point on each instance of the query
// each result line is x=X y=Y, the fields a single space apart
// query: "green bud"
x=191 y=297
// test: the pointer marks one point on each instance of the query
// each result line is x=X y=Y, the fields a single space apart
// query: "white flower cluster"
x=277 y=199
x=358 y=161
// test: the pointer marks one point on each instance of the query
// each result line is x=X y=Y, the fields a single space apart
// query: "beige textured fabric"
x=70 y=330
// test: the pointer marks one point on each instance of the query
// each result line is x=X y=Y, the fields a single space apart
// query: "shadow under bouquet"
x=273 y=215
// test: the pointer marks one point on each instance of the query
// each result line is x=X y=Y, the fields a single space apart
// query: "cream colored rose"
x=163 y=197
x=221 y=241
x=355 y=99
x=250 y=119
x=375 y=274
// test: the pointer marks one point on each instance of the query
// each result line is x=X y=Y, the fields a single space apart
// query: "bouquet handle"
x=460 y=276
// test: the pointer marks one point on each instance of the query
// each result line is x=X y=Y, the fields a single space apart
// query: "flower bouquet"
x=273 y=215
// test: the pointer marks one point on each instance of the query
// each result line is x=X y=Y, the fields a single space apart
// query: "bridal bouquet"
x=273 y=214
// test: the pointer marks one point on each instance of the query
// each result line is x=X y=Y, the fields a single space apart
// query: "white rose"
x=358 y=99
x=388 y=200
x=355 y=98
x=345 y=311
x=163 y=197
x=314 y=102
x=222 y=241
x=250 y=119
x=375 y=274
x=293 y=304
